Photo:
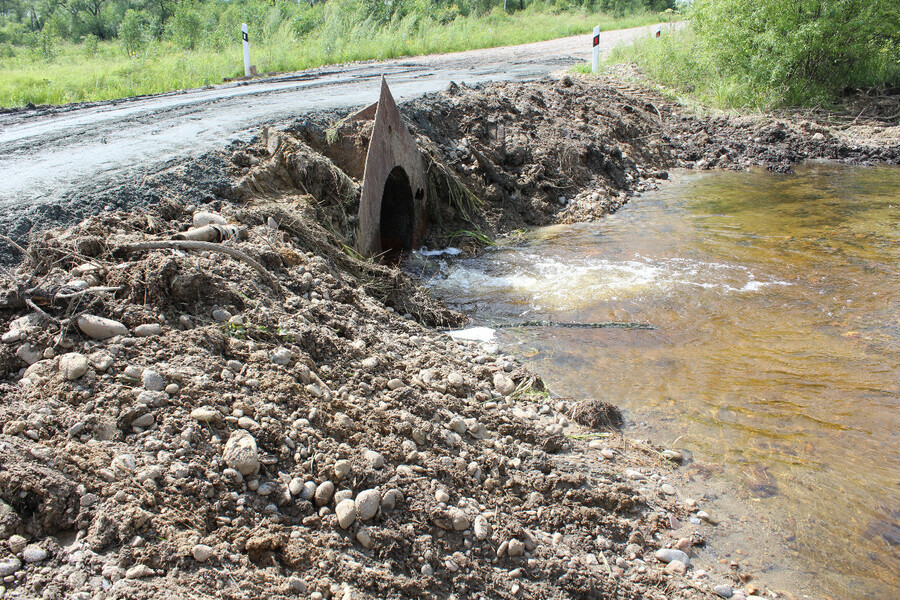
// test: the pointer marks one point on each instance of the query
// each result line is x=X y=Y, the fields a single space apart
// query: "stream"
x=775 y=360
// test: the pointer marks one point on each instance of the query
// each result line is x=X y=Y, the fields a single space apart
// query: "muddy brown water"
x=776 y=360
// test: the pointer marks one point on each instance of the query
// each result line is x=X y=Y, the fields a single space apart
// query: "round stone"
x=241 y=453
x=73 y=365
x=202 y=552
x=367 y=504
x=346 y=513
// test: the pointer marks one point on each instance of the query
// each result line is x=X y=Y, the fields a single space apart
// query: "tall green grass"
x=76 y=73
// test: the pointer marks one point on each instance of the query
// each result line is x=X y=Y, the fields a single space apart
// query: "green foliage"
x=186 y=26
x=133 y=32
x=805 y=50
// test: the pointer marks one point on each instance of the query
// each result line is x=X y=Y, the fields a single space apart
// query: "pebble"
x=308 y=491
x=607 y=454
x=101 y=360
x=297 y=585
x=9 y=566
x=17 y=543
x=374 y=459
x=667 y=555
x=394 y=384
x=323 y=493
x=148 y=330
x=153 y=381
x=206 y=414
x=281 y=356
x=677 y=567
x=12 y=336
x=201 y=219
x=295 y=487
x=202 y=552
x=367 y=504
x=636 y=475
x=133 y=372
x=73 y=365
x=221 y=315
x=455 y=378
x=342 y=469
x=365 y=540
x=139 y=572
x=29 y=354
x=726 y=591
x=482 y=528
x=441 y=495
x=241 y=453
x=144 y=421
x=515 y=548
x=100 y=328
x=342 y=495
x=667 y=489
x=346 y=513
x=460 y=520
x=504 y=384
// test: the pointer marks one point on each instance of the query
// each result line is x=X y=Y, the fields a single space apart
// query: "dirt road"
x=54 y=161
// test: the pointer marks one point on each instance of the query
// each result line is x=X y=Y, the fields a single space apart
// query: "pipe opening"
x=397 y=211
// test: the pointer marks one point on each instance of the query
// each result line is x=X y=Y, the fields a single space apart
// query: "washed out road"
x=52 y=158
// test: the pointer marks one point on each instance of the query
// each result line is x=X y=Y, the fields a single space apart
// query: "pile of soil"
x=271 y=414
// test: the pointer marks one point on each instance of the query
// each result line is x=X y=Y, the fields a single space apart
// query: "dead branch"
x=209 y=247
x=29 y=257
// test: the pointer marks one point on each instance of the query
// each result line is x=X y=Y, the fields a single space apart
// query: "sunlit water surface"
x=777 y=353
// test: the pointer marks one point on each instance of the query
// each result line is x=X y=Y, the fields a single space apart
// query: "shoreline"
x=316 y=436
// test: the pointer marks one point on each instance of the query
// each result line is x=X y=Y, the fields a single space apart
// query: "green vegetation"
x=775 y=53
x=60 y=51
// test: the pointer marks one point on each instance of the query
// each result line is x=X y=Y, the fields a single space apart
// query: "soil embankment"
x=283 y=419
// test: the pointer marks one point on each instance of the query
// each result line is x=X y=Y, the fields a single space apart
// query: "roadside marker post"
x=657 y=31
x=246 y=50
x=595 y=59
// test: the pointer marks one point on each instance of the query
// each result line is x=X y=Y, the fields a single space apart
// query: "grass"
x=74 y=74
x=675 y=62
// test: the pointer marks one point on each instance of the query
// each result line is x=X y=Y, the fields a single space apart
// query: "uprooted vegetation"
x=215 y=434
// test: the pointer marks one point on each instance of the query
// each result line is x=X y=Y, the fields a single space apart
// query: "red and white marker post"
x=246 y=50
x=595 y=59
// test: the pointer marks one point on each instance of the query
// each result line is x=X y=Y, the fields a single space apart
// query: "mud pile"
x=260 y=422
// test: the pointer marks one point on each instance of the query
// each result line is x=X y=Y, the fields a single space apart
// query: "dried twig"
x=89 y=290
x=208 y=246
x=28 y=255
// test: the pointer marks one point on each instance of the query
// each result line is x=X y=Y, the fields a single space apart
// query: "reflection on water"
x=777 y=353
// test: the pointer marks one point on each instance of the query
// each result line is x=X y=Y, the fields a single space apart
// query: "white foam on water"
x=477 y=334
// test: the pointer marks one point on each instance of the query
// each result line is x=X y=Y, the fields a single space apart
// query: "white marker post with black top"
x=246 y=50
x=595 y=59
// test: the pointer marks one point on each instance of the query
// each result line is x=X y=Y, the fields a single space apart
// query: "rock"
x=144 y=421
x=677 y=567
x=101 y=360
x=9 y=566
x=607 y=454
x=308 y=491
x=390 y=499
x=247 y=423
x=241 y=453
x=667 y=489
x=17 y=543
x=265 y=489
x=281 y=356
x=482 y=528
x=374 y=459
x=460 y=520
x=504 y=384
x=346 y=513
x=202 y=219
x=29 y=354
x=342 y=495
x=148 y=330
x=100 y=328
x=365 y=540
x=455 y=379
x=323 y=494
x=206 y=414
x=342 y=468
x=295 y=486
x=153 y=381
x=221 y=315
x=139 y=572
x=12 y=336
x=202 y=552
x=394 y=384
x=667 y=555
x=297 y=585
x=726 y=591
x=515 y=548
x=73 y=365
x=441 y=495
x=133 y=372
x=367 y=504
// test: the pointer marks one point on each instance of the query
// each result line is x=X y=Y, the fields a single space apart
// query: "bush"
x=811 y=50
x=185 y=27
x=133 y=31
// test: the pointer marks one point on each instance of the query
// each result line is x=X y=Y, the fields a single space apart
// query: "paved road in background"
x=47 y=154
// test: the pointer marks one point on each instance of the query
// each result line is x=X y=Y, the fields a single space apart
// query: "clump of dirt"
x=597 y=414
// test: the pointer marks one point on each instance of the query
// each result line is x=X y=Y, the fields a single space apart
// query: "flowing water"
x=776 y=357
